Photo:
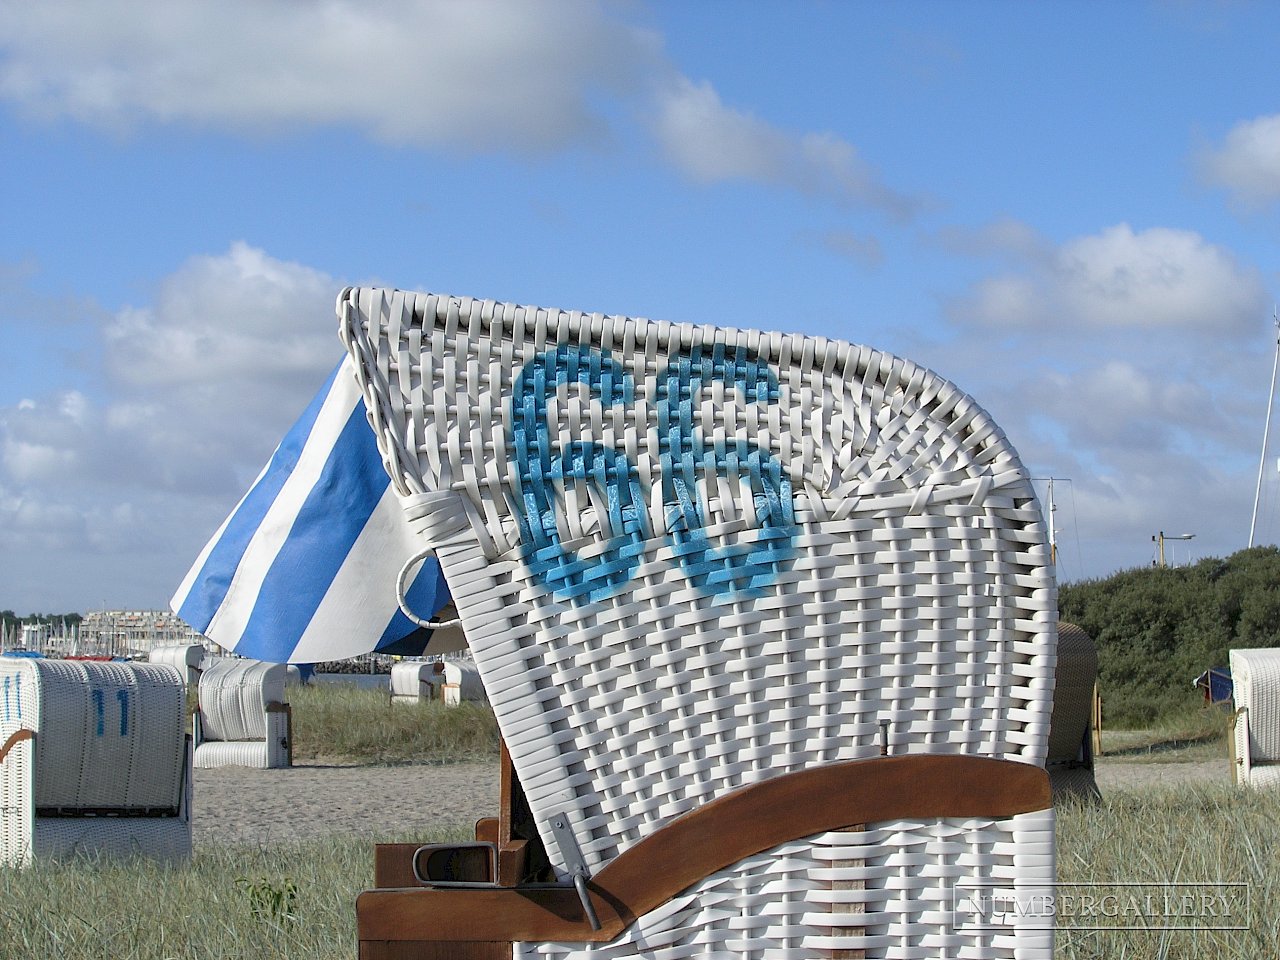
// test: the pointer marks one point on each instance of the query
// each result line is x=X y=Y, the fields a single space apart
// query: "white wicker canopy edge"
x=847 y=539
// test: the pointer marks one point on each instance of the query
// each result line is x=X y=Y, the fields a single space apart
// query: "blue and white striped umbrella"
x=304 y=569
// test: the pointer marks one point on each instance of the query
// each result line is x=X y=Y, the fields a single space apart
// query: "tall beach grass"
x=1196 y=834
x=282 y=902
x=347 y=723
x=298 y=900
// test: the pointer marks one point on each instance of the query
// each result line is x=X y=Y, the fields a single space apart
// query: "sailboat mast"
x=1266 y=430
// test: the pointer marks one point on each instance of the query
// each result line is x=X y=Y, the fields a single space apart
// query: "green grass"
x=338 y=722
x=298 y=900
x=1185 y=737
x=1194 y=834
x=287 y=901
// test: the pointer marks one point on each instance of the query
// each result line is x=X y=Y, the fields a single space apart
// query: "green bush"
x=1158 y=628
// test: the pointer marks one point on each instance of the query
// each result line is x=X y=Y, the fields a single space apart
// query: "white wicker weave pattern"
x=414 y=680
x=187 y=657
x=234 y=695
x=236 y=727
x=1255 y=678
x=109 y=737
x=689 y=558
x=887 y=891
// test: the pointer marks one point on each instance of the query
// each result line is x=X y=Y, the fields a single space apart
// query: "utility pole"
x=1160 y=539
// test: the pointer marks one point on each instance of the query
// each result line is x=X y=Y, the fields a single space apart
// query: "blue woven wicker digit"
x=559 y=569
x=740 y=570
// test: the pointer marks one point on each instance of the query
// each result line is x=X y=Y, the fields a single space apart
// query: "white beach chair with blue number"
x=710 y=578
x=95 y=761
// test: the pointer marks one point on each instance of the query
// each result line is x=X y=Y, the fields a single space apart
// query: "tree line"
x=1158 y=628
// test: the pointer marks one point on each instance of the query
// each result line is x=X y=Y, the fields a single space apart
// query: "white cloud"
x=1121 y=280
x=1004 y=237
x=865 y=251
x=199 y=386
x=441 y=73
x=1145 y=407
x=711 y=142
x=229 y=351
x=28 y=462
x=241 y=315
x=504 y=75
x=1134 y=363
x=1248 y=162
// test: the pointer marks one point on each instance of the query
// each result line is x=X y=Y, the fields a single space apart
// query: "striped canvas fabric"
x=304 y=569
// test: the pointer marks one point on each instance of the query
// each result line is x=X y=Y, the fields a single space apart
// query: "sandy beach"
x=238 y=805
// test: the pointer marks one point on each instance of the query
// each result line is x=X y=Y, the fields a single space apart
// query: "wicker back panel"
x=412 y=678
x=187 y=657
x=108 y=735
x=234 y=695
x=1075 y=677
x=1255 y=677
x=689 y=558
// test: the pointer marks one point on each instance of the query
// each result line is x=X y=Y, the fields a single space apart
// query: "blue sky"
x=1068 y=209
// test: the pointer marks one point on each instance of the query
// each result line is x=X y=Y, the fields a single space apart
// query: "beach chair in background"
x=1255 y=676
x=95 y=761
x=462 y=683
x=243 y=718
x=186 y=657
x=1070 y=760
x=413 y=681
x=768 y=624
x=1215 y=684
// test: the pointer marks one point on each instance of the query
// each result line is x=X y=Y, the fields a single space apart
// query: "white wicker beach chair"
x=244 y=718
x=95 y=761
x=1070 y=760
x=708 y=577
x=1255 y=675
x=186 y=657
x=413 y=681
x=462 y=683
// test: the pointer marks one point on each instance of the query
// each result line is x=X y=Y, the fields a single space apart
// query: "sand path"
x=1118 y=775
x=237 y=805
x=310 y=800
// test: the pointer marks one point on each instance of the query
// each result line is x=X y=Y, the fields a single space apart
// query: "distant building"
x=125 y=632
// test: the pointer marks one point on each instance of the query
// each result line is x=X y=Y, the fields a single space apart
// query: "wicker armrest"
x=15 y=738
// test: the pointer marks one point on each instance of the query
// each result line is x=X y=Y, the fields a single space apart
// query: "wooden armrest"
x=487 y=829
x=704 y=841
x=393 y=864
x=16 y=738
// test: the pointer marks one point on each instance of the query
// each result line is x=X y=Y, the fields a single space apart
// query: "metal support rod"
x=1266 y=430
